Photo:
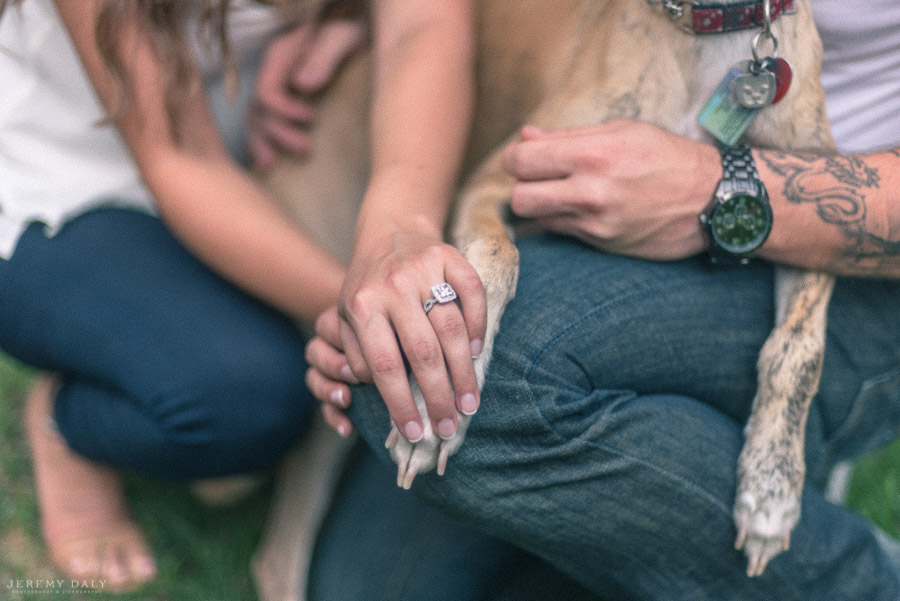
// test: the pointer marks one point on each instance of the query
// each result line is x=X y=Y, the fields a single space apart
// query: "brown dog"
x=581 y=62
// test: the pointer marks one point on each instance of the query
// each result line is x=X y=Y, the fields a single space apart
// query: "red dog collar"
x=731 y=17
x=702 y=18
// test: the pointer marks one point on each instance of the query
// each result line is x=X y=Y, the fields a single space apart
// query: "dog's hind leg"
x=771 y=468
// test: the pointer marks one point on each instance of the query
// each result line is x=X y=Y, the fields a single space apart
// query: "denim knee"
x=240 y=417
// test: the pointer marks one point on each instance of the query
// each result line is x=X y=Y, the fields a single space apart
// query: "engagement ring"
x=440 y=294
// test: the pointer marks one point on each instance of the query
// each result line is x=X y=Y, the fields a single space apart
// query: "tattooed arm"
x=840 y=214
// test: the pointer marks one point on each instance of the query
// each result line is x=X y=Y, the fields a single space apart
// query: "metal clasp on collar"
x=679 y=11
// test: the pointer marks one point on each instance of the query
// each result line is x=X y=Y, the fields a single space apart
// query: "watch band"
x=739 y=178
x=739 y=172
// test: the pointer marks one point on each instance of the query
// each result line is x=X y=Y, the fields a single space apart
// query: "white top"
x=861 y=72
x=55 y=161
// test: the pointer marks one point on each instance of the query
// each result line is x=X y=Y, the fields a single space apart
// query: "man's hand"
x=624 y=187
x=297 y=66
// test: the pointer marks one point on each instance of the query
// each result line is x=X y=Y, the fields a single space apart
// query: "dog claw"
x=741 y=538
x=442 y=459
x=392 y=438
x=407 y=481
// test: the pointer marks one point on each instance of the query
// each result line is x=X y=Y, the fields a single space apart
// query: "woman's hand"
x=329 y=373
x=624 y=187
x=384 y=326
x=297 y=65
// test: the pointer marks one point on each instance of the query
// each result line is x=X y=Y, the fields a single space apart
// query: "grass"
x=204 y=553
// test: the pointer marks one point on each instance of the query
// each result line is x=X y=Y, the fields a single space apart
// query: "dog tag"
x=722 y=115
x=755 y=88
x=783 y=75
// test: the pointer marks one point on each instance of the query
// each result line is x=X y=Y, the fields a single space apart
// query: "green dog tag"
x=722 y=115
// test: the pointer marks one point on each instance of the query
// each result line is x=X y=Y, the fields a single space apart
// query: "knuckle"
x=425 y=352
x=386 y=364
x=453 y=326
x=361 y=302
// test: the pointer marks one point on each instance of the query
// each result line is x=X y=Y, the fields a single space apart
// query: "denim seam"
x=784 y=579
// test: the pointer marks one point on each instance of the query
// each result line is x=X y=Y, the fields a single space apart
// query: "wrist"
x=738 y=219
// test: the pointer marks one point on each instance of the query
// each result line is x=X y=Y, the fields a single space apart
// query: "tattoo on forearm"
x=837 y=187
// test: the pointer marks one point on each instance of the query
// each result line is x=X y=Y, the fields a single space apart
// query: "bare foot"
x=85 y=522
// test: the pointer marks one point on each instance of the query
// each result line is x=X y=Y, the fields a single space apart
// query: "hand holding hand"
x=297 y=65
x=384 y=325
x=624 y=187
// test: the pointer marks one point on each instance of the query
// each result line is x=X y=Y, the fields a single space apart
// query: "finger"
x=450 y=328
x=423 y=350
x=337 y=420
x=382 y=355
x=335 y=41
x=287 y=135
x=356 y=360
x=545 y=198
x=328 y=360
x=327 y=326
x=470 y=290
x=327 y=390
x=287 y=107
x=262 y=152
x=272 y=89
x=536 y=159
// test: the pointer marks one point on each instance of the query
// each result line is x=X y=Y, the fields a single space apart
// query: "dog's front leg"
x=482 y=236
x=771 y=468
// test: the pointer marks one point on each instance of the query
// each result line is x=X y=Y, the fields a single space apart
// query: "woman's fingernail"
x=337 y=397
x=476 y=346
x=343 y=430
x=446 y=428
x=468 y=404
x=412 y=431
x=348 y=376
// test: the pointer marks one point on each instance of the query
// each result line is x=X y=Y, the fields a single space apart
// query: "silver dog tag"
x=755 y=88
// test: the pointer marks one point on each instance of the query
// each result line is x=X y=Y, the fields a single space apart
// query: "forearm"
x=233 y=227
x=420 y=119
x=838 y=214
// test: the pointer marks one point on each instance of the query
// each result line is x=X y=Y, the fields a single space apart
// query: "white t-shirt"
x=861 y=72
x=56 y=162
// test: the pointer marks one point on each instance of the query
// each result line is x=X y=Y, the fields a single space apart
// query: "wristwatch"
x=739 y=218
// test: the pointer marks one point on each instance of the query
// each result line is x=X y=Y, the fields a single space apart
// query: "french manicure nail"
x=337 y=397
x=476 y=346
x=468 y=404
x=446 y=428
x=412 y=431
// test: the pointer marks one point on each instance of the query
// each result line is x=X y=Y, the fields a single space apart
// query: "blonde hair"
x=163 y=22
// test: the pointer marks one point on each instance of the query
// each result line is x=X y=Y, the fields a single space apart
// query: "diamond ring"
x=440 y=294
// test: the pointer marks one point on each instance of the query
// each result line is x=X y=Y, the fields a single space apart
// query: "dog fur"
x=577 y=63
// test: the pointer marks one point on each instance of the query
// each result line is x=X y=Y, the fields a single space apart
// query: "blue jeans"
x=380 y=543
x=611 y=423
x=166 y=369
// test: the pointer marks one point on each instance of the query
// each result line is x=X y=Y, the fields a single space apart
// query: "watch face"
x=741 y=223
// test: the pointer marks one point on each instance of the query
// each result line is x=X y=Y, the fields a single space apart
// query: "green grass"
x=204 y=553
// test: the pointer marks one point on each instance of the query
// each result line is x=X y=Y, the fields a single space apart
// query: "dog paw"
x=764 y=526
x=429 y=452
